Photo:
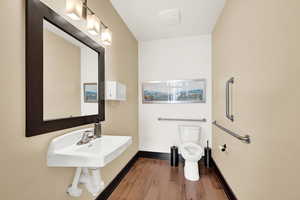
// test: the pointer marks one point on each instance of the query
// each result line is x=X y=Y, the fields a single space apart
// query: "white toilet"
x=190 y=150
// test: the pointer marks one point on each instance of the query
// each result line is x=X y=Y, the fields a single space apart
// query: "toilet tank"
x=189 y=133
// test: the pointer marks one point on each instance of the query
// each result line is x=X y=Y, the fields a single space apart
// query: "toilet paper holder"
x=223 y=147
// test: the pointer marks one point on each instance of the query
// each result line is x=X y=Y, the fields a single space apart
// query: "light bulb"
x=93 y=24
x=74 y=9
x=106 y=37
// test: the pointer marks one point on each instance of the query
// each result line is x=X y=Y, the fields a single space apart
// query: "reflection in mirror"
x=70 y=75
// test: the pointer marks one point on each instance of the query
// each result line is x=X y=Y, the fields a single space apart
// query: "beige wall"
x=62 y=89
x=23 y=170
x=258 y=43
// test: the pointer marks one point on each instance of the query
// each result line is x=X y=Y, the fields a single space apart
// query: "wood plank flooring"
x=151 y=179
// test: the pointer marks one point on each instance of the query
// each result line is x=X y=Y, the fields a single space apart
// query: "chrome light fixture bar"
x=77 y=10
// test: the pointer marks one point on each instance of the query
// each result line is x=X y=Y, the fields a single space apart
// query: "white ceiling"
x=198 y=17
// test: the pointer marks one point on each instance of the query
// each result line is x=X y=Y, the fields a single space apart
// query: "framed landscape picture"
x=174 y=91
x=90 y=91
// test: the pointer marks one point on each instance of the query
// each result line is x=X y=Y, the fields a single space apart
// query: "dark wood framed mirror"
x=55 y=98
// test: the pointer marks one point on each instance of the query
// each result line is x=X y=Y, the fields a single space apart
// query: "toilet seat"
x=191 y=151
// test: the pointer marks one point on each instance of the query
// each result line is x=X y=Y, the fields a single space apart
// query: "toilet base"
x=191 y=170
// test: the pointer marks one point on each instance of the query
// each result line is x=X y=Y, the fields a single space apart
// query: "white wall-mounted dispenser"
x=115 y=91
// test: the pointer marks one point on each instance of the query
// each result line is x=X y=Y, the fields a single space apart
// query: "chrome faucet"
x=89 y=135
x=86 y=137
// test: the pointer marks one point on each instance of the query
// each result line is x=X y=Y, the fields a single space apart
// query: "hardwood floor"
x=151 y=179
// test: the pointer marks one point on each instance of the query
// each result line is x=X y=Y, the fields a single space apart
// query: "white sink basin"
x=64 y=151
x=86 y=158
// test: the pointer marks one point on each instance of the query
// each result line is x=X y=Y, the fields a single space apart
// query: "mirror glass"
x=70 y=75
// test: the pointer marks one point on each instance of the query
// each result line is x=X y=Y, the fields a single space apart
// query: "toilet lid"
x=191 y=151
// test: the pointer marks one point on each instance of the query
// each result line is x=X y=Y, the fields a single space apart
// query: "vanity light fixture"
x=93 y=24
x=74 y=9
x=106 y=36
x=77 y=9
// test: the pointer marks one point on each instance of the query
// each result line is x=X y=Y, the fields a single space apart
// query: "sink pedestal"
x=92 y=181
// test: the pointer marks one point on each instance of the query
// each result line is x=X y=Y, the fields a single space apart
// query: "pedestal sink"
x=65 y=152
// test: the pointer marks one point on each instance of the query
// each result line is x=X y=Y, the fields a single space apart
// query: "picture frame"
x=174 y=91
x=90 y=91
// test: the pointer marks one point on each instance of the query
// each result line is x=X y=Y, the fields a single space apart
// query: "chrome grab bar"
x=228 y=110
x=184 y=120
x=245 y=139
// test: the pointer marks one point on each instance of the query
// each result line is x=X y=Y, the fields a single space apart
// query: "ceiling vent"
x=170 y=17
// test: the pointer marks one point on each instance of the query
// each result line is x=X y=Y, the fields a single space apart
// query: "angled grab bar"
x=245 y=139
x=179 y=119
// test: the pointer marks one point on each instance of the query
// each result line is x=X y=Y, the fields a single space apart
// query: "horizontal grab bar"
x=184 y=120
x=245 y=139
